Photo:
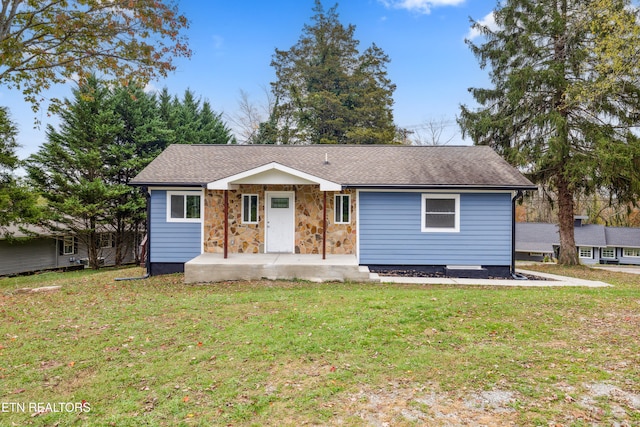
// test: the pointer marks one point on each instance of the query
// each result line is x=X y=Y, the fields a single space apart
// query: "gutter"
x=440 y=187
x=515 y=275
x=144 y=185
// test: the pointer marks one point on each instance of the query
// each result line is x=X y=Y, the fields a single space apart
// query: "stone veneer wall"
x=249 y=238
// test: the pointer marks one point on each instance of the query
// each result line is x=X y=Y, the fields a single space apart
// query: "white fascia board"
x=231 y=182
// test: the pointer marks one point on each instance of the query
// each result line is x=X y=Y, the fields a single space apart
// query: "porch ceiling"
x=273 y=173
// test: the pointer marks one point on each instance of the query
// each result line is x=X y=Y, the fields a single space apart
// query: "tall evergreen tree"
x=546 y=63
x=141 y=137
x=107 y=136
x=71 y=168
x=17 y=201
x=327 y=92
x=192 y=121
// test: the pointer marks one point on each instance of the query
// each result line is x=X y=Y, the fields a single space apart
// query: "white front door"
x=280 y=208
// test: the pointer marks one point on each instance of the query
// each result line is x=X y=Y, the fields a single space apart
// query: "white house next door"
x=280 y=209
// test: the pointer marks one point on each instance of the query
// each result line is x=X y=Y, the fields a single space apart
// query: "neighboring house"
x=596 y=244
x=427 y=207
x=39 y=249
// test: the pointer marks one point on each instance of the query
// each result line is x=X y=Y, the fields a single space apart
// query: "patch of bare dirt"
x=399 y=405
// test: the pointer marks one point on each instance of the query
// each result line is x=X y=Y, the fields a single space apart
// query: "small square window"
x=608 y=253
x=68 y=246
x=585 y=252
x=183 y=206
x=440 y=212
x=342 y=207
x=105 y=240
x=250 y=208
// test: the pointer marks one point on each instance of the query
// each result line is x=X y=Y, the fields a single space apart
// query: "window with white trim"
x=585 y=252
x=441 y=213
x=106 y=240
x=183 y=206
x=69 y=246
x=608 y=252
x=631 y=252
x=342 y=209
x=249 y=208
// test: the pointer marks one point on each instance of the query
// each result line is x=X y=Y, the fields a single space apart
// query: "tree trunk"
x=568 y=251
x=92 y=245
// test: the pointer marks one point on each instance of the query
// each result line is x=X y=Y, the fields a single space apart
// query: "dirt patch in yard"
x=400 y=405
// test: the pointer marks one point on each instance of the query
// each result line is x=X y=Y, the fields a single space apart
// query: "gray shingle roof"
x=377 y=165
x=626 y=237
x=536 y=237
x=544 y=235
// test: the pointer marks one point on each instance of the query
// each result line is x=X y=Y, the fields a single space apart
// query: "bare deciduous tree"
x=246 y=120
x=434 y=132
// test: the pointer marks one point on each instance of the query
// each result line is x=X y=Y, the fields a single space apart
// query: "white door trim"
x=267 y=205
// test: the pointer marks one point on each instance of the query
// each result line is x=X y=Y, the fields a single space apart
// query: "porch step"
x=466 y=271
x=212 y=268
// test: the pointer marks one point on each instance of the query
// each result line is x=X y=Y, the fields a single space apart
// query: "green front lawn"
x=159 y=352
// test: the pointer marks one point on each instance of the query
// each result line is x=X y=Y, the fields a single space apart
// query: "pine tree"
x=18 y=204
x=327 y=92
x=540 y=113
x=193 y=122
x=71 y=168
x=142 y=136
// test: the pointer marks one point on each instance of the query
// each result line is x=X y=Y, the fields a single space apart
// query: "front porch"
x=214 y=267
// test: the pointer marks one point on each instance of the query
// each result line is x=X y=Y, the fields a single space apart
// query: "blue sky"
x=233 y=42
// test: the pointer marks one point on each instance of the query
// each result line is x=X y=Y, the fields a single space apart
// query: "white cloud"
x=151 y=88
x=488 y=21
x=420 y=6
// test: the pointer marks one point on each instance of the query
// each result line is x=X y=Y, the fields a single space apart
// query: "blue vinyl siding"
x=390 y=231
x=626 y=259
x=172 y=241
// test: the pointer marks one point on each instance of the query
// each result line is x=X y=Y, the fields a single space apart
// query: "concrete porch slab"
x=211 y=267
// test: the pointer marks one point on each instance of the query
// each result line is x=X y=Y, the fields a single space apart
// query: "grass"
x=158 y=352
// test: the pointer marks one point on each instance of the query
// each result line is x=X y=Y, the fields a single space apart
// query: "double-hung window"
x=250 y=208
x=585 y=252
x=183 y=206
x=105 y=240
x=631 y=252
x=342 y=208
x=608 y=253
x=441 y=213
x=68 y=246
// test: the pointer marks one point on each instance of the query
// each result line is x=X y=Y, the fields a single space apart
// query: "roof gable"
x=272 y=173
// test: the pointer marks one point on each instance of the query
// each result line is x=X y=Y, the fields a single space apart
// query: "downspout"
x=147 y=261
x=226 y=222
x=515 y=275
x=324 y=226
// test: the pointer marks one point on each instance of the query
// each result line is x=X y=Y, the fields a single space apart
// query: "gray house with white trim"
x=33 y=249
x=427 y=207
x=596 y=244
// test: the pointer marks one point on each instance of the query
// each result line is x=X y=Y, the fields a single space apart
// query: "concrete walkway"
x=554 y=280
x=210 y=267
